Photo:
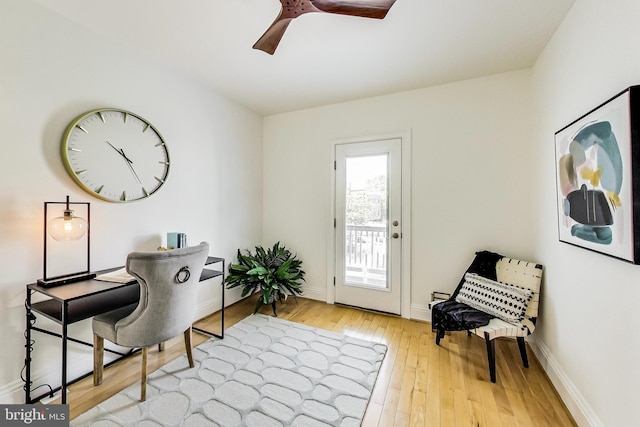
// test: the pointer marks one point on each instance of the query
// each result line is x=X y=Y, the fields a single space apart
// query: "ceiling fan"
x=291 y=9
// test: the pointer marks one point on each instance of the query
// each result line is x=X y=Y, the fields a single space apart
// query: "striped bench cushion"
x=501 y=300
x=499 y=328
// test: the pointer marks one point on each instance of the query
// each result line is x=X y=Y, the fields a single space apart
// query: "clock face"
x=115 y=155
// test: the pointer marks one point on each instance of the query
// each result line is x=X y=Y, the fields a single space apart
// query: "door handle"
x=395 y=235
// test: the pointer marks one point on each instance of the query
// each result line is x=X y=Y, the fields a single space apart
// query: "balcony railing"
x=366 y=254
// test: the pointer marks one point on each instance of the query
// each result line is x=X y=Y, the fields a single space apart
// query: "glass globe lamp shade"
x=67 y=227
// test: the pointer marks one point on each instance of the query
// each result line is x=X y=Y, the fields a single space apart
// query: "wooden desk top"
x=82 y=289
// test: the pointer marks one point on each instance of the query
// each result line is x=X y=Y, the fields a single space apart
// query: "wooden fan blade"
x=271 y=38
x=366 y=8
x=292 y=9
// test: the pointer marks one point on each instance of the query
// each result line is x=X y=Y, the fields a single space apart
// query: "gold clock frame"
x=64 y=149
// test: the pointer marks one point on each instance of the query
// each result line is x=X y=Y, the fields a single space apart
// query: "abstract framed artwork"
x=598 y=178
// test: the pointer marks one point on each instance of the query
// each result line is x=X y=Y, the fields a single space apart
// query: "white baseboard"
x=80 y=362
x=420 y=312
x=577 y=405
x=208 y=308
x=205 y=308
x=12 y=393
x=319 y=294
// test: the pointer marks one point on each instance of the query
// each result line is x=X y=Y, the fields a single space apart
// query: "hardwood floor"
x=420 y=384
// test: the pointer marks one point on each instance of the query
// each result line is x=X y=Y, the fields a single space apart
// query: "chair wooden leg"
x=98 y=359
x=143 y=379
x=187 y=345
x=491 y=356
x=523 y=351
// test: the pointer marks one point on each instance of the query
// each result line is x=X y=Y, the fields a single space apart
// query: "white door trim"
x=405 y=137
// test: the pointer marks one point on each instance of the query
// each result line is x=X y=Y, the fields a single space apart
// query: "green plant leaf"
x=258 y=305
x=273 y=272
x=258 y=271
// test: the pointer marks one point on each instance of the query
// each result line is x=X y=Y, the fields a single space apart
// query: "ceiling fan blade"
x=271 y=38
x=366 y=8
x=292 y=9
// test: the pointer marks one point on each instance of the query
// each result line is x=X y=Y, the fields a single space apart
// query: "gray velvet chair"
x=166 y=308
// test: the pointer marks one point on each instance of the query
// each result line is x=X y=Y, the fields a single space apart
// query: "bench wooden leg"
x=491 y=356
x=523 y=351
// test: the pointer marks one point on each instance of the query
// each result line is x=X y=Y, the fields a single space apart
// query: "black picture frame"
x=597 y=159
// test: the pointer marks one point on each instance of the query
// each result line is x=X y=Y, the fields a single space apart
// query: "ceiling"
x=325 y=58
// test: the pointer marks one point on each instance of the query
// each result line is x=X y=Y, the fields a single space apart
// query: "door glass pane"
x=366 y=207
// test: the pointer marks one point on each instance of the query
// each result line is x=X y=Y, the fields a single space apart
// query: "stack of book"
x=176 y=240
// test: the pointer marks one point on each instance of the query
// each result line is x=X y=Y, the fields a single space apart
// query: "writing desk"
x=73 y=302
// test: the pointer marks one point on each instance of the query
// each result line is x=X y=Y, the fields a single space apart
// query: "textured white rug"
x=266 y=372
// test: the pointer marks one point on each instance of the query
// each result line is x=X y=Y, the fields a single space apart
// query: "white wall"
x=589 y=337
x=471 y=176
x=52 y=71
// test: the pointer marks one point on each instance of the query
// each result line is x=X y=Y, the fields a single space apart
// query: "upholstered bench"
x=497 y=297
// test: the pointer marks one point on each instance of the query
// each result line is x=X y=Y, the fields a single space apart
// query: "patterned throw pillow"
x=504 y=301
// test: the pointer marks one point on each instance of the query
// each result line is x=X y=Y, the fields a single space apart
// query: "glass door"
x=368 y=232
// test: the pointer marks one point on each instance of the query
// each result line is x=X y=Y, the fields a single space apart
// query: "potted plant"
x=274 y=273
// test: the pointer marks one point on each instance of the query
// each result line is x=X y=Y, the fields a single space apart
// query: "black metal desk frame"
x=78 y=301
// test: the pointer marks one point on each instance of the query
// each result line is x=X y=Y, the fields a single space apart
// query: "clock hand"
x=125 y=156
x=130 y=164
x=133 y=171
x=111 y=145
x=120 y=151
x=127 y=160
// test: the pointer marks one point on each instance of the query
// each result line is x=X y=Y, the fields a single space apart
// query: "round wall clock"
x=115 y=155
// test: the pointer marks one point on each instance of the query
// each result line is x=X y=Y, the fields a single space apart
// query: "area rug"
x=266 y=372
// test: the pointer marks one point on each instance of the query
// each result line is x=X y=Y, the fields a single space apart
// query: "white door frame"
x=405 y=137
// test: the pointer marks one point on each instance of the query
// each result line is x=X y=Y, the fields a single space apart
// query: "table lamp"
x=65 y=228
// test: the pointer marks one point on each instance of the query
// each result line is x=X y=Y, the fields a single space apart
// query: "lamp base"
x=63 y=280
